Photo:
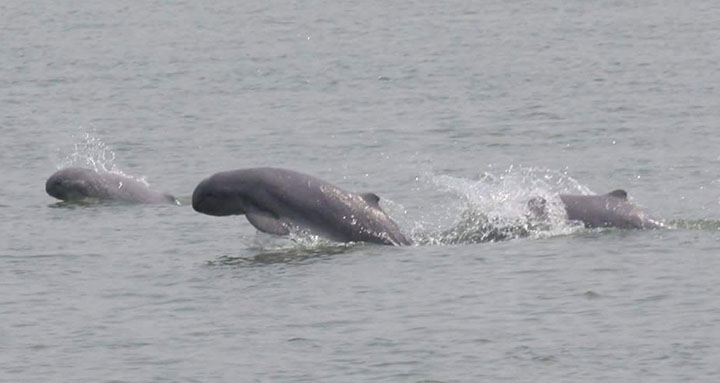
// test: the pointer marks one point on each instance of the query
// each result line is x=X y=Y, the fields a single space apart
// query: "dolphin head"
x=70 y=184
x=219 y=196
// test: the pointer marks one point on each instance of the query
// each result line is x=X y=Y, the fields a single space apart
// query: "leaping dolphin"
x=277 y=201
x=78 y=184
x=596 y=211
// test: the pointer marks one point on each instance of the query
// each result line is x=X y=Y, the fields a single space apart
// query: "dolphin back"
x=326 y=209
x=608 y=210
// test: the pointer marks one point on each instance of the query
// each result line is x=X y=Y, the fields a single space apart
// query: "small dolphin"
x=78 y=184
x=278 y=200
x=607 y=210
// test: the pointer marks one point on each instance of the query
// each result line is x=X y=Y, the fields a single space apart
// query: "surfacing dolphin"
x=80 y=184
x=596 y=211
x=277 y=201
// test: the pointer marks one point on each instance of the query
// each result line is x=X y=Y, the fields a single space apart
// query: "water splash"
x=89 y=151
x=495 y=206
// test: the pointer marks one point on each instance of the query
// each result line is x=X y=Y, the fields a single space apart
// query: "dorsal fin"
x=370 y=198
x=619 y=193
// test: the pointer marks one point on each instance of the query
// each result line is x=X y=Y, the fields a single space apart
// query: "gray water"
x=444 y=109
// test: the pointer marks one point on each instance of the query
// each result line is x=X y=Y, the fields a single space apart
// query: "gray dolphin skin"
x=80 y=184
x=277 y=200
x=596 y=211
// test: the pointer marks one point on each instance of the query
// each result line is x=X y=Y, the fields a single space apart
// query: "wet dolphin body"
x=78 y=184
x=607 y=210
x=278 y=200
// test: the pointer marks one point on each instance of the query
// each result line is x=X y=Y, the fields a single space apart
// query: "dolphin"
x=277 y=201
x=597 y=211
x=79 y=184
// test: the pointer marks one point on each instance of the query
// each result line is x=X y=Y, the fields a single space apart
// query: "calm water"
x=449 y=111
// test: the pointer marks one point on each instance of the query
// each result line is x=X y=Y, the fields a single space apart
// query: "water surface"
x=442 y=109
